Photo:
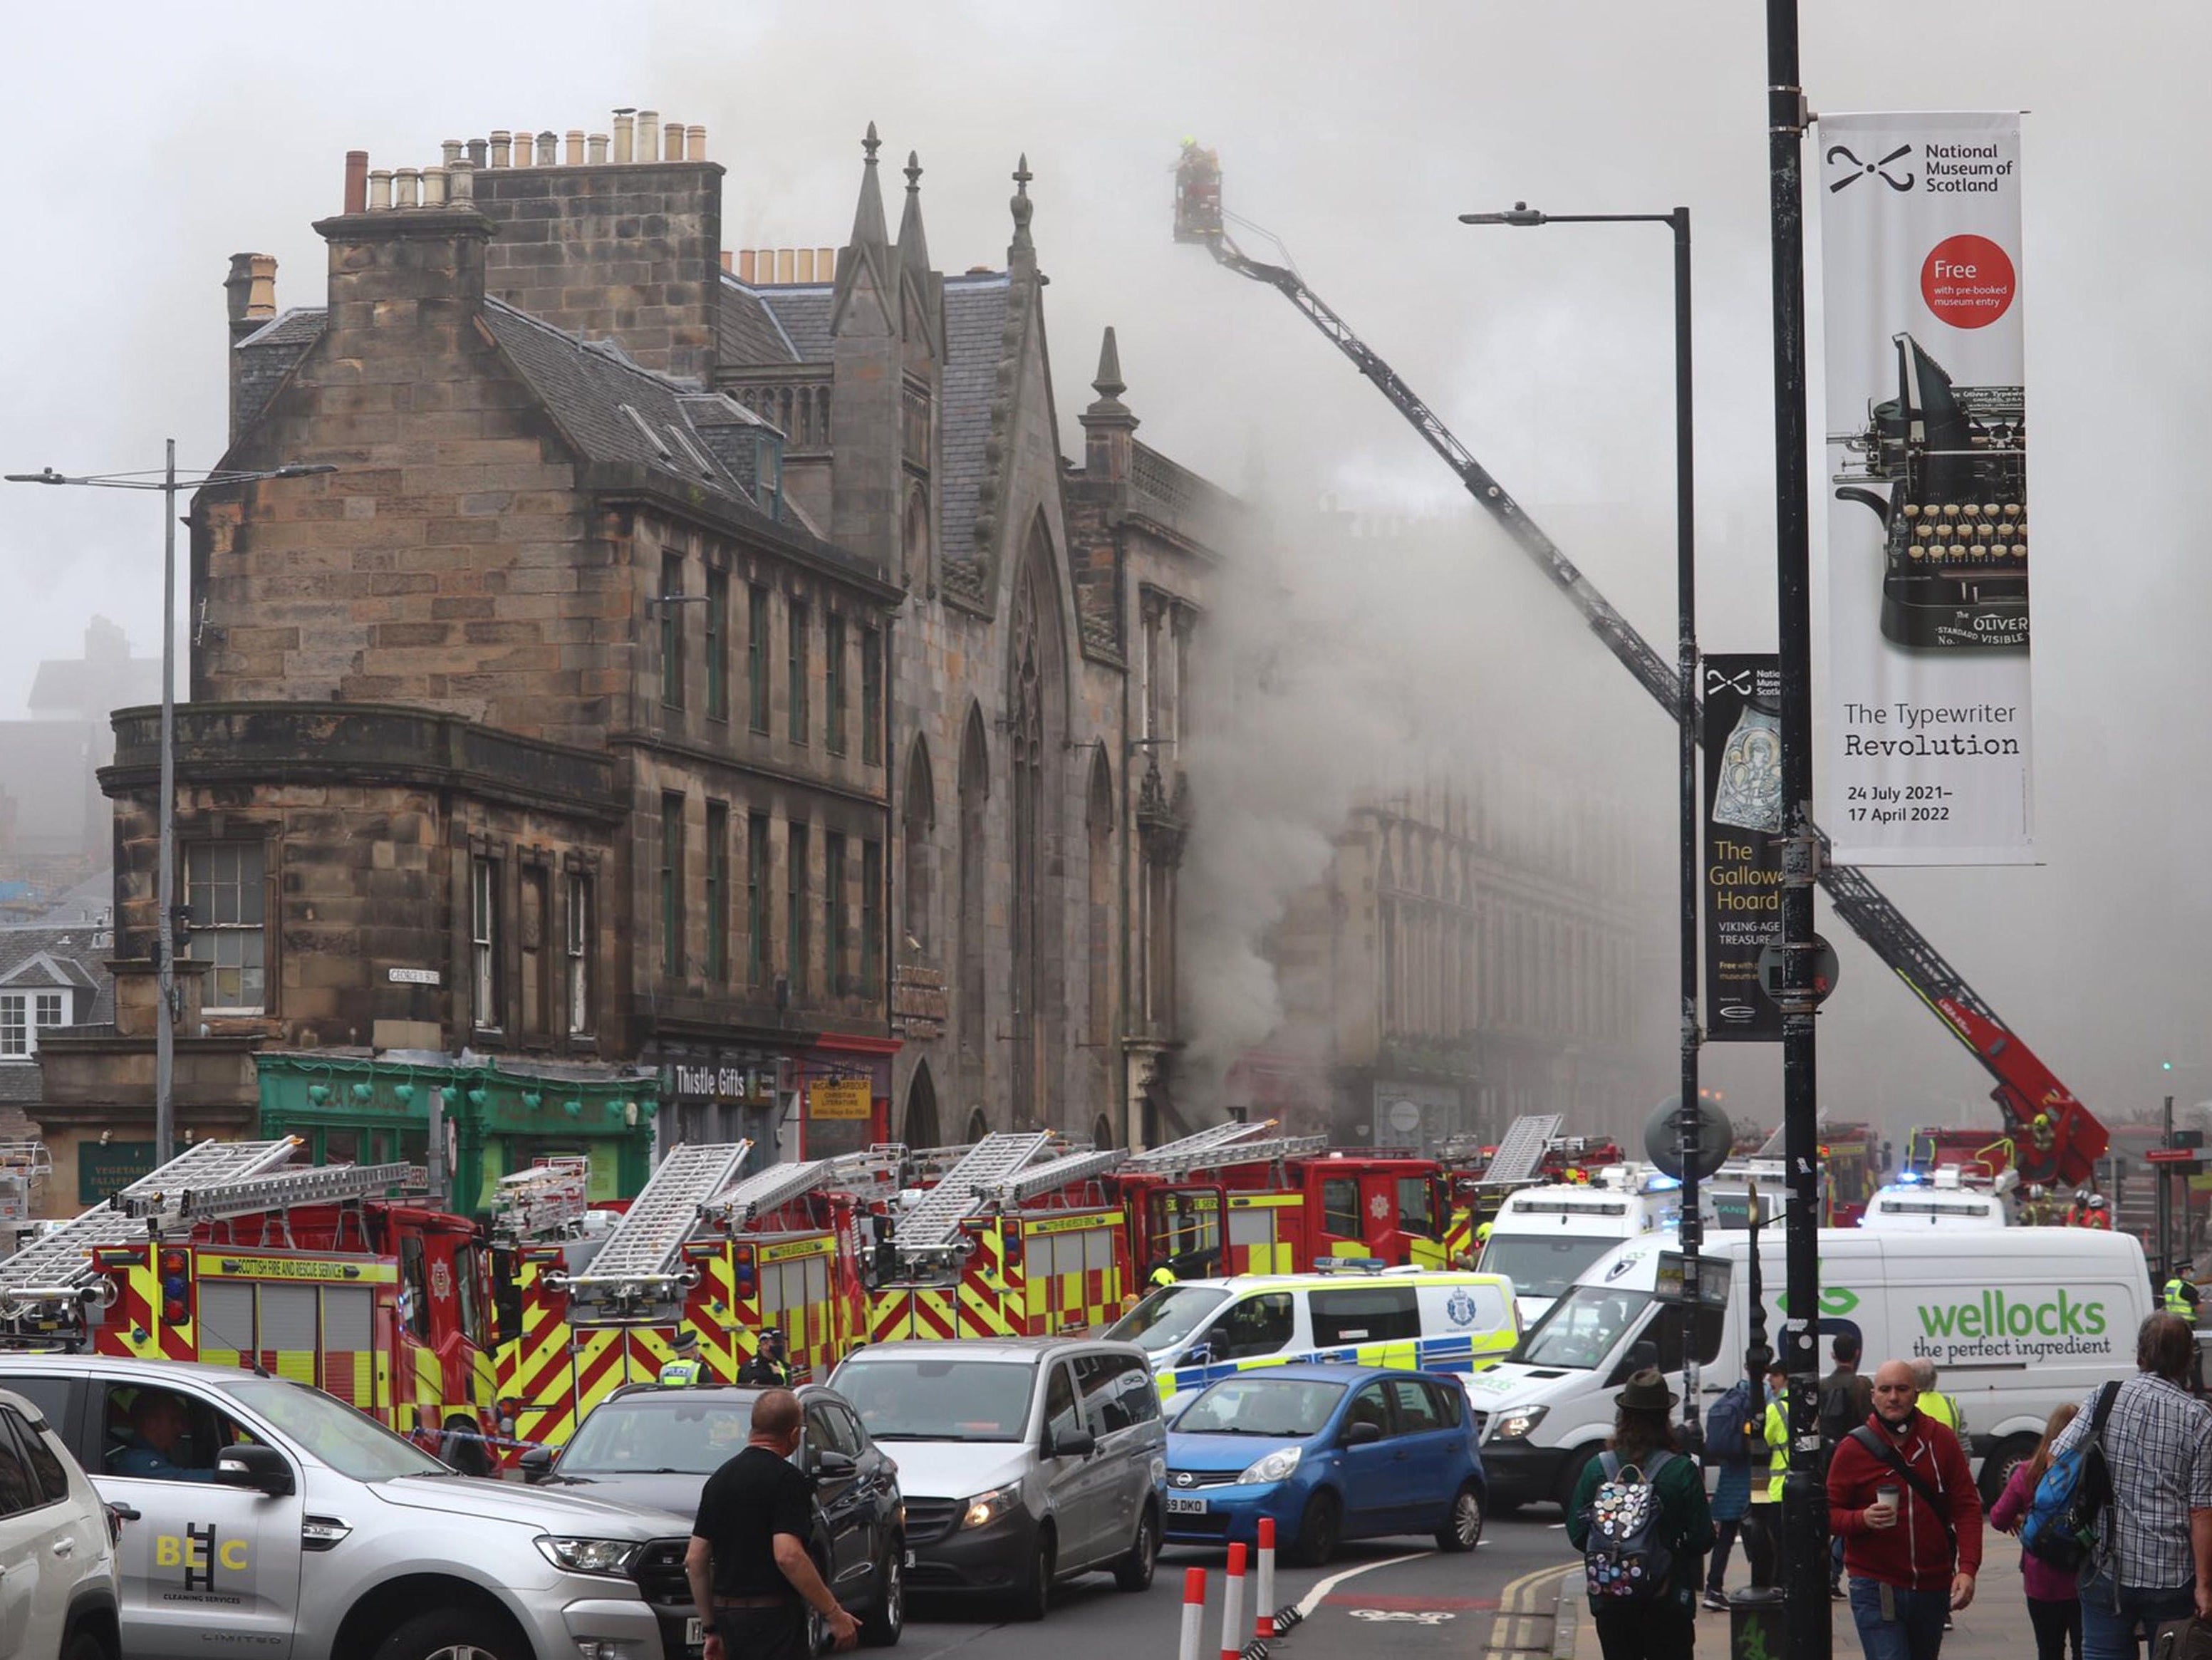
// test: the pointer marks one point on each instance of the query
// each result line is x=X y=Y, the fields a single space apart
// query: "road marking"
x=1432 y=1617
x=1519 y=1628
x=1312 y=1599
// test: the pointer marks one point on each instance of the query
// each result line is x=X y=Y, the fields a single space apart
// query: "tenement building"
x=697 y=690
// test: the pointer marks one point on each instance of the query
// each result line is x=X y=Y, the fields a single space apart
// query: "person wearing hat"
x=1663 y=1627
x=1161 y=1276
x=771 y=1362
x=685 y=1370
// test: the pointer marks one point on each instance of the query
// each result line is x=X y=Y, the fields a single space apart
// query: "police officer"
x=2180 y=1297
x=771 y=1362
x=686 y=1370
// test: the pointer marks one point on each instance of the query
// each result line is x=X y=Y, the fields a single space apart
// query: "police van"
x=2015 y=1320
x=1198 y=1330
x=1542 y=1238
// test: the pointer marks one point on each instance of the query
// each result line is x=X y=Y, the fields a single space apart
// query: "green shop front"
x=499 y=1115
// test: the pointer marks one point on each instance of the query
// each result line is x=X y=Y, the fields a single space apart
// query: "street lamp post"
x=1690 y=1119
x=169 y=484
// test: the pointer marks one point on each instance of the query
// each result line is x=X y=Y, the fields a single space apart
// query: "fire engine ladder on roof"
x=60 y=1265
x=1521 y=1154
x=542 y=1202
x=766 y=1191
x=1209 y=1151
x=279 y=1190
x=1053 y=1174
x=645 y=1244
x=934 y=1224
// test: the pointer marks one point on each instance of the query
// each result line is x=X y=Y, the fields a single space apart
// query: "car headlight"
x=608 y=1556
x=1516 y=1423
x=987 y=1507
x=1275 y=1466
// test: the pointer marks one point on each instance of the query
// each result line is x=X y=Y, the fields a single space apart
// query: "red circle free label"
x=1967 y=281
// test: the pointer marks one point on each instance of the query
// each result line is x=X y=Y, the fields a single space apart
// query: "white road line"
x=1311 y=1600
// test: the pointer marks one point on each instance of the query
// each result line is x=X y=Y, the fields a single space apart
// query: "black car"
x=655 y=1447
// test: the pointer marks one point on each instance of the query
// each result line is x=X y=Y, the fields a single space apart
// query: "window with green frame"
x=671 y=885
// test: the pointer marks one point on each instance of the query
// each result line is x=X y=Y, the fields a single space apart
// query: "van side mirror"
x=263 y=1469
x=536 y=1464
x=1362 y=1434
x=829 y=1465
x=1076 y=1443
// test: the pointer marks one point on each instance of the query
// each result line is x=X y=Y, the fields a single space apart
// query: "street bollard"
x=1263 y=1625
x=1232 y=1605
x=1193 y=1612
x=1755 y=1624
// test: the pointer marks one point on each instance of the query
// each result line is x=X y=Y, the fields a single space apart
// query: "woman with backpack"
x=1639 y=1516
x=2054 y=1600
x=1732 y=1427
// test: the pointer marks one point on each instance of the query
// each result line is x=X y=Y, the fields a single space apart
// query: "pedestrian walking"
x=1940 y=1407
x=1845 y=1402
x=1734 y=1429
x=1903 y=1497
x=2054 y=1602
x=2154 y=1559
x=752 y=1579
x=1662 y=1623
x=1762 y=1522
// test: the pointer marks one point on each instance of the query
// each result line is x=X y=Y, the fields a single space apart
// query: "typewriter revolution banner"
x=1925 y=715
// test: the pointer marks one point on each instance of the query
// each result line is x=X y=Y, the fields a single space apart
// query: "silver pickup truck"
x=278 y=1524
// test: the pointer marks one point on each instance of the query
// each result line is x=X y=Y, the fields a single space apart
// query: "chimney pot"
x=825 y=261
x=451 y=148
x=729 y=260
x=624 y=125
x=433 y=187
x=787 y=264
x=261 y=296
x=648 y=135
x=695 y=144
x=500 y=138
x=575 y=146
x=744 y=265
x=379 y=190
x=477 y=156
x=461 y=182
x=597 y=149
x=404 y=187
x=548 y=146
x=673 y=139
x=806 y=264
x=356 y=181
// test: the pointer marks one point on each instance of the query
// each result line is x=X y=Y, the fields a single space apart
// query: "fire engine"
x=337 y=1276
x=1531 y=1153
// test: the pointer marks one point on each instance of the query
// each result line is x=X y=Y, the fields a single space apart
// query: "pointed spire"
x=1021 y=206
x=913 y=246
x=868 y=230
x=1108 y=382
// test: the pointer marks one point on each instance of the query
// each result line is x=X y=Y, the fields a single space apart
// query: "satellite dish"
x=1662 y=1138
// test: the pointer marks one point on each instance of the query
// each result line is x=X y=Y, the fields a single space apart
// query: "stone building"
x=53 y=821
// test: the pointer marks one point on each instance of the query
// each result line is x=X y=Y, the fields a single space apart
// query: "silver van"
x=1024 y=1460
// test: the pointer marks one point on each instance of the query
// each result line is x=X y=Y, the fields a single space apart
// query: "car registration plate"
x=1178 y=1505
x=694 y=1633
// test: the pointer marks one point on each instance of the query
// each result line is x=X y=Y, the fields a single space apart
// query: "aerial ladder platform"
x=876 y=1172
x=549 y=1200
x=2057 y=1138
x=641 y=1257
x=1221 y=1146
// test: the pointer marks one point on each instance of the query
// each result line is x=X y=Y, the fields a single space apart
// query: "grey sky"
x=153 y=142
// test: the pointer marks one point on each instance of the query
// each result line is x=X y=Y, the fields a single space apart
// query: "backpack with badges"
x=2060 y=1527
x=1625 y=1559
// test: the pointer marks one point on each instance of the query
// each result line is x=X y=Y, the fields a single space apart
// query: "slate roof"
x=746 y=331
x=37 y=957
x=802 y=312
x=90 y=901
x=266 y=357
x=975 y=318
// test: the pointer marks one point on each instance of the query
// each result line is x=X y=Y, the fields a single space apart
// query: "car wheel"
x=881 y=1629
x=1997 y=1468
x=1319 y=1530
x=1462 y=1529
x=452 y=1634
x=1033 y=1600
x=1135 y=1571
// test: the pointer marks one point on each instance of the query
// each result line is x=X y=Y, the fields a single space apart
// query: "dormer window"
x=24 y=1015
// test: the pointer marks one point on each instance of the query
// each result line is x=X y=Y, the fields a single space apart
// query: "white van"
x=1543 y=1238
x=1198 y=1330
x=2017 y=1319
x=1944 y=1202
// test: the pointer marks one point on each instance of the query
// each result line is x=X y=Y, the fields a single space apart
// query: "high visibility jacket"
x=1777 y=1428
x=2180 y=1298
x=1944 y=1410
x=2098 y=1218
x=681 y=1374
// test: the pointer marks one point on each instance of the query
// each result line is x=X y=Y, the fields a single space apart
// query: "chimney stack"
x=648 y=135
x=575 y=146
x=596 y=155
x=501 y=138
x=695 y=144
x=548 y=149
x=356 y=181
x=625 y=121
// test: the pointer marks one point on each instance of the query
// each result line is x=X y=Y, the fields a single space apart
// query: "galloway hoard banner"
x=1926 y=710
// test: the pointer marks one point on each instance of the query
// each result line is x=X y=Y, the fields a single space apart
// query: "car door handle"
x=125 y=1513
x=65 y=1547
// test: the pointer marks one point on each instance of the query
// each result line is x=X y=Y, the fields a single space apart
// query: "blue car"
x=1332 y=1453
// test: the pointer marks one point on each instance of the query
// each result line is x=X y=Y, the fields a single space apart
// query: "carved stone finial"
x=1021 y=205
x=872 y=143
x=1109 y=384
x=913 y=171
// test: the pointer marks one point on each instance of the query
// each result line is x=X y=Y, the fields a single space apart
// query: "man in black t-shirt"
x=747 y=1564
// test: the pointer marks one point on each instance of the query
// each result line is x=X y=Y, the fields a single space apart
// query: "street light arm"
x=161 y=480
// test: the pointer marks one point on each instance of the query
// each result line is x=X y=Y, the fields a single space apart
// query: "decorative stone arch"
x=1102 y=1132
x=972 y=1016
x=1038 y=671
x=978 y=1125
x=917 y=848
x=1098 y=910
x=913 y=540
x=919 y=1128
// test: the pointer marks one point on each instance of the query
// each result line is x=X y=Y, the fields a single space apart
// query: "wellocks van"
x=2016 y=1320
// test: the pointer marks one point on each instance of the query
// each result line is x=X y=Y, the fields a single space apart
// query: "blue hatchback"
x=1331 y=1452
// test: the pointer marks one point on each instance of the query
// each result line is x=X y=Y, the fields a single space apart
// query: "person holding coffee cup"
x=1902 y=1498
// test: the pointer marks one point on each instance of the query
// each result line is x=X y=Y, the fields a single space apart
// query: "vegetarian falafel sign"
x=1927 y=707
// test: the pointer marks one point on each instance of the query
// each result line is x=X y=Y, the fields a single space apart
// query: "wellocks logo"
x=1995 y=1315
x=1865 y=169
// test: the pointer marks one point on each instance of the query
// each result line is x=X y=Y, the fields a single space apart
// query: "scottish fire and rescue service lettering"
x=1927 y=743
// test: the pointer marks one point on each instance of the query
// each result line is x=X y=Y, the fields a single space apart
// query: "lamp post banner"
x=1925 y=711
x=1740 y=698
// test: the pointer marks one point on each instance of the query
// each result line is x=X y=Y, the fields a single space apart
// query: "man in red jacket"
x=1903 y=1500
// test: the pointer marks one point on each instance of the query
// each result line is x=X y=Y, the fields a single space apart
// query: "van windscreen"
x=902 y=1398
x=1543 y=1264
x=1583 y=1328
